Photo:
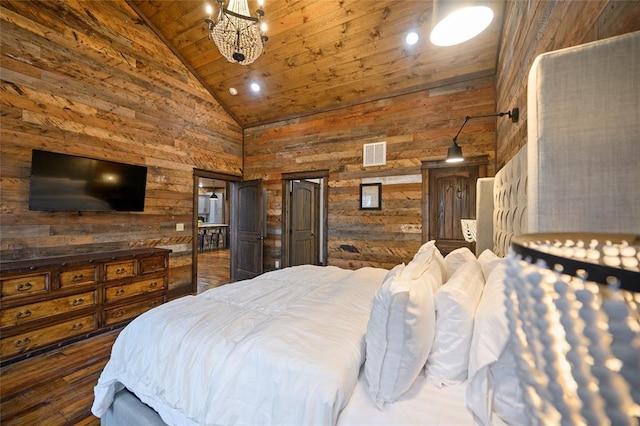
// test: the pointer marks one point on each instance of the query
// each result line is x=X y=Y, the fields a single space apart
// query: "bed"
x=422 y=343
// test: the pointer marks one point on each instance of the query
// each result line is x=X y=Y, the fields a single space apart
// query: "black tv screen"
x=61 y=182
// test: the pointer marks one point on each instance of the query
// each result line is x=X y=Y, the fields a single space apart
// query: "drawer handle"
x=24 y=287
x=77 y=302
x=119 y=292
x=77 y=326
x=153 y=304
x=118 y=314
x=21 y=342
x=23 y=314
x=77 y=278
x=153 y=284
x=121 y=271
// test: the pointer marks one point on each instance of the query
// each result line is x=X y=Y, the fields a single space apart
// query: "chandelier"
x=239 y=36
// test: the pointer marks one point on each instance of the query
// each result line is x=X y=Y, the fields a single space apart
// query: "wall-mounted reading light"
x=454 y=153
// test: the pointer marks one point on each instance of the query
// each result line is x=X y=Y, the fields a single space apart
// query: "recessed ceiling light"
x=233 y=91
x=255 y=87
x=412 y=38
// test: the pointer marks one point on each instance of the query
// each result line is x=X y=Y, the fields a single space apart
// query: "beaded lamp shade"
x=573 y=311
x=238 y=35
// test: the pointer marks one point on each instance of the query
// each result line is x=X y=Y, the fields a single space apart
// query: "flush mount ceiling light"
x=239 y=36
x=411 y=38
x=458 y=21
x=454 y=153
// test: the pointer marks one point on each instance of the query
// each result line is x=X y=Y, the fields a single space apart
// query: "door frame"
x=197 y=174
x=323 y=175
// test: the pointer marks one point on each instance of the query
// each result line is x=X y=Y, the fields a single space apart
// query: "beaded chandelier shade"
x=239 y=36
x=573 y=310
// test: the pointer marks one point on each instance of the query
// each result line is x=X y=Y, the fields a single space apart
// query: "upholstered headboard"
x=580 y=168
x=583 y=119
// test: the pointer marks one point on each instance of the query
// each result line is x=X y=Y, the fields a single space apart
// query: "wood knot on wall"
x=349 y=248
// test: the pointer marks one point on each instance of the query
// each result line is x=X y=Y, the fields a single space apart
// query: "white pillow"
x=489 y=260
x=399 y=336
x=440 y=259
x=418 y=265
x=493 y=387
x=434 y=271
x=394 y=272
x=455 y=259
x=455 y=303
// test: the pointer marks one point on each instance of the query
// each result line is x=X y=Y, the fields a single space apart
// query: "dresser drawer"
x=26 y=285
x=28 y=341
x=33 y=311
x=82 y=276
x=121 y=292
x=118 y=270
x=126 y=312
x=152 y=264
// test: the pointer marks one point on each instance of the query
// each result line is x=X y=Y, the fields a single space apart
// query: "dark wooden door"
x=451 y=196
x=305 y=200
x=247 y=230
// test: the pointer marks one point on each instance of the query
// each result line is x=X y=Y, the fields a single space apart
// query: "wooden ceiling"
x=322 y=54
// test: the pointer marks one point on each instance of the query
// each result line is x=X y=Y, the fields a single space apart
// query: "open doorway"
x=304 y=218
x=211 y=223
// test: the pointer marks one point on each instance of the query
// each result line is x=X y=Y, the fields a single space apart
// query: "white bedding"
x=218 y=375
x=424 y=404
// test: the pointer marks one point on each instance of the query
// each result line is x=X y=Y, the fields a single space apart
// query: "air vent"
x=374 y=154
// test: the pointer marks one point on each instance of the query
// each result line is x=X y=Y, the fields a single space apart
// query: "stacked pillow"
x=493 y=389
x=455 y=305
x=401 y=328
x=456 y=331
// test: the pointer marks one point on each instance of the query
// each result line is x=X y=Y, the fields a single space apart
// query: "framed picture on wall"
x=370 y=196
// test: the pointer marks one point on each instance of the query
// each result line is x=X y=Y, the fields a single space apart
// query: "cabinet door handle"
x=77 y=302
x=24 y=287
x=23 y=314
x=119 y=292
x=21 y=342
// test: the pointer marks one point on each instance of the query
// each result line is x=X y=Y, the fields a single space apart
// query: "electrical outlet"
x=179 y=226
x=277 y=264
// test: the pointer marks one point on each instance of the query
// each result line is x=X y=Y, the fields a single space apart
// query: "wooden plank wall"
x=535 y=27
x=416 y=127
x=90 y=79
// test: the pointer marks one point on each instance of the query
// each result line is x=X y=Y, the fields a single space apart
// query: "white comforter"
x=283 y=348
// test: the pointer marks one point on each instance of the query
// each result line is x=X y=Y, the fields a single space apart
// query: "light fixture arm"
x=454 y=153
x=514 y=115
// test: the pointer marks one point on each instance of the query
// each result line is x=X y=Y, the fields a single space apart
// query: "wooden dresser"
x=46 y=303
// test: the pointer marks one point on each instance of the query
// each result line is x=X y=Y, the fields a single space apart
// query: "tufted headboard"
x=510 y=202
x=580 y=168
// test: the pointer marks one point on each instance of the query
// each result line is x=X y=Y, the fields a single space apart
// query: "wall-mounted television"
x=61 y=182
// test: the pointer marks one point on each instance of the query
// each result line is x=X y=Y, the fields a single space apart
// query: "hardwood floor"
x=213 y=269
x=56 y=388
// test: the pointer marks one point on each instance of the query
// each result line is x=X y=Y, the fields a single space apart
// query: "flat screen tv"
x=61 y=182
